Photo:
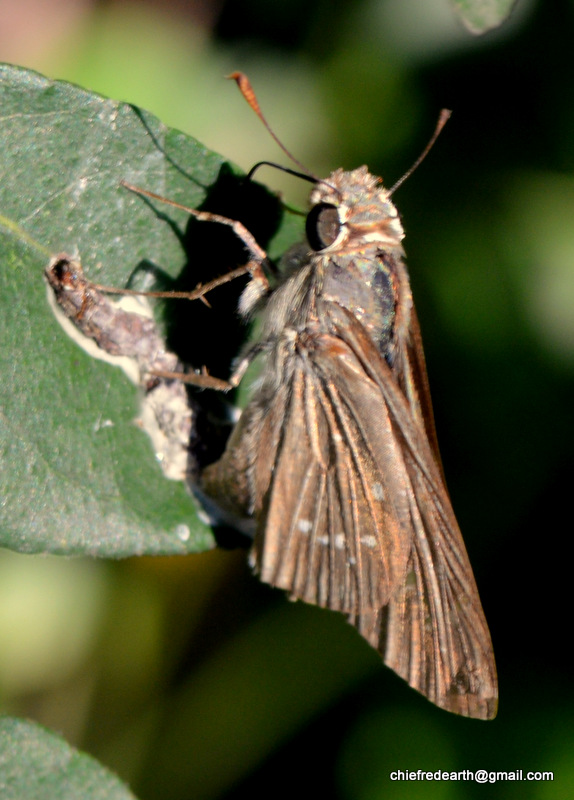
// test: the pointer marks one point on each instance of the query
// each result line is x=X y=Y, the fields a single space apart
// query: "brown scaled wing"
x=352 y=512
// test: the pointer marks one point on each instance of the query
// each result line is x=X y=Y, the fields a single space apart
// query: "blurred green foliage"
x=194 y=681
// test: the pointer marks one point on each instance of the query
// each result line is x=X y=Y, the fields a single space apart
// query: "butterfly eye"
x=322 y=226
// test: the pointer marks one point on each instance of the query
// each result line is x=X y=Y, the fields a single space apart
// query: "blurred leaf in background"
x=198 y=682
x=35 y=763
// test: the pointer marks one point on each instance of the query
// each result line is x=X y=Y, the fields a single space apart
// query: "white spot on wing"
x=378 y=492
x=369 y=541
x=304 y=525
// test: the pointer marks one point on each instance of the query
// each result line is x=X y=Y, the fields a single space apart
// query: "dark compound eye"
x=322 y=226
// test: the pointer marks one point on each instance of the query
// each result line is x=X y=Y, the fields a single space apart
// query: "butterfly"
x=334 y=465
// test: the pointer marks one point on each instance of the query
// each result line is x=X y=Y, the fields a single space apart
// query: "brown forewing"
x=352 y=512
x=433 y=632
x=330 y=511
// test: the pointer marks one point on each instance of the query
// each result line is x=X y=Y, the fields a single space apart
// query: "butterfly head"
x=352 y=210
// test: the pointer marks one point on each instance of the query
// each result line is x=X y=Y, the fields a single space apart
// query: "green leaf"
x=78 y=474
x=36 y=764
x=480 y=16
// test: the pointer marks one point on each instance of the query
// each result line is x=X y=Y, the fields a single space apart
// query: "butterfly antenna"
x=442 y=120
x=248 y=93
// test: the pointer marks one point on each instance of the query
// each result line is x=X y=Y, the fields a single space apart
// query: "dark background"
x=186 y=676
